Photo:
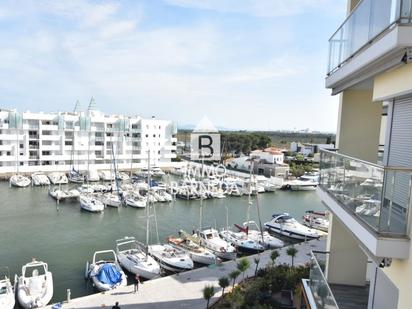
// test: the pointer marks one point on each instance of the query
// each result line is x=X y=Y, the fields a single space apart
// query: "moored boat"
x=171 y=258
x=210 y=239
x=19 y=181
x=7 y=297
x=286 y=225
x=90 y=203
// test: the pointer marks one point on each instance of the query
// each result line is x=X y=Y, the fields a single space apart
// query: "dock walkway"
x=185 y=290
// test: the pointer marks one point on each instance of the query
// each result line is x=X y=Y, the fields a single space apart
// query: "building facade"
x=31 y=142
x=366 y=185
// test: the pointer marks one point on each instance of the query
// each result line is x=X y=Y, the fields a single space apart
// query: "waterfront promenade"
x=185 y=290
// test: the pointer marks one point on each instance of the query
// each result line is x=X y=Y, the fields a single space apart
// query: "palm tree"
x=223 y=283
x=257 y=261
x=243 y=265
x=291 y=251
x=233 y=275
x=273 y=256
x=208 y=292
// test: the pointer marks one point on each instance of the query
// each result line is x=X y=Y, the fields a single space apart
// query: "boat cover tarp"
x=109 y=275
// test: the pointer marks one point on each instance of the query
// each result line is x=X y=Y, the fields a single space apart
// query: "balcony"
x=320 y=294
x=371 y=200
x=372 y=38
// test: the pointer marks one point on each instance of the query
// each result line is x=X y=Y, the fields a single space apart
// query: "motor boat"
x=90 y=203
x=369 y=207
x=162 y=193
x=144 y=173
x=133 y=257
x=57 y=193
x=7 y=297
x=105 y=273
x=122 y=176
x=286 y=225
x=241 y=241
x=171 y=258
x=86 y=189
x=210 y=239
x=19 y=181
x=313 y=176
x=189 y=244
x=34 y=288
x=157 y=172
x=111 y=199
x=72 y=194
x=135 y=201
x=106 y=176
x=40 y=179
x=92 y=175
x=317 y=220
x=303 y=185
x=58 y=178
x=75 y=176
x=252 y=230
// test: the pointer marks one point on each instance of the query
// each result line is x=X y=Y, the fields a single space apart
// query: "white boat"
x=105 y=271
x=369 y=207
x=157 y=171
x=57 y=193
x=19 y=181
x=111 y=199
x=264 y=238
x=171 y=258
x=303 y=185
x=106 y=176
x=135 y=201
x=90 y=203
x=72 y=194
x=241 y=241
x=210 y=239
x=162 y=194
x=316 y=220
x=286 y=225
x=35 y=285
x=58 y=178
x=85 y=189
x=133 y=257
x=92 y=175
x=75 y=176
x=122 y=176
x=197 y=253
x=7 y=297
x=40 y=179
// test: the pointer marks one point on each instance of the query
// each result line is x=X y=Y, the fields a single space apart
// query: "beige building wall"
x=346 y=263
x=359 y=125
x=393 y=83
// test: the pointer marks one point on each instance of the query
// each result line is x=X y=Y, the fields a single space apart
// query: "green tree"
x=223 y=283
x=273 y=256
x=208 y=292
x=233 y=275
x=292 y=251
x=243 y=265
x=256 y=260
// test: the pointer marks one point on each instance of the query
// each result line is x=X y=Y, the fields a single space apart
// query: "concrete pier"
x=185 y=290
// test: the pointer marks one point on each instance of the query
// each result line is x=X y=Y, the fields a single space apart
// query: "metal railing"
x=322 y=294
x=379 y=196
x=367 y=21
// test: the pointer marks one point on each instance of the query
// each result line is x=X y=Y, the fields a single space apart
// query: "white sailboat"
x=19 y=181
x=7 y=297
x=111 y=199
x=40 y=179
x=58 y=178
x=263 y=237
x=57 y=193
x=133 y=257
x=35 y=285
x=136 y=201
x=106 y=273
x=90 y=203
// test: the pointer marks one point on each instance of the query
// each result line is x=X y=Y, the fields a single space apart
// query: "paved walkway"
x=185 y=290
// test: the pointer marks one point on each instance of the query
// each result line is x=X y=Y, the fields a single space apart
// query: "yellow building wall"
x=359 y=125
x=393 y=83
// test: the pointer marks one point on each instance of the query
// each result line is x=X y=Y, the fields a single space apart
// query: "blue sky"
x=245 y=64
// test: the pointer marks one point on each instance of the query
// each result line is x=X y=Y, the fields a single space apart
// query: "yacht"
x=157 y=171
x=19 y=181
x=303 y=185
x=135 y=201
x=133 y=257
x=317 y=220
x=90 y=203
x=105 y=273
x=34 y=288
x=171 y=258
x=264 y=238
x=57 y=193
x=241 y=241
x=7 y=297
x=286 y=225
x=58 y=178
x=111 y=199
x=75 y=176
x=210 y=239
x=190 y=245
x=40 y=179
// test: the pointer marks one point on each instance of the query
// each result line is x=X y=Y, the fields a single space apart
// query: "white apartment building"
x=31 y=142
x=367 y=184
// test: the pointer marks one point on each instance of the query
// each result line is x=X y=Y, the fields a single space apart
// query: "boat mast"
x=249 y=193
x=17 y=144
x=148 y=201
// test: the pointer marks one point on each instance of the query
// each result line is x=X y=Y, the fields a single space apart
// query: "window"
x=154 y=135
x=98 y=143
x=8 y=153
x=147 y=135
x=21 y=163
x=45 y=153
x=136 y=135
x=21 y=146
x=68 y=143
x=109 y=134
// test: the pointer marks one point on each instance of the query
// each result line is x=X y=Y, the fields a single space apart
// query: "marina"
x=66 y=238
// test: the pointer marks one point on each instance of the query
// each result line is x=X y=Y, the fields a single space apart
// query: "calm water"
x=31 y=226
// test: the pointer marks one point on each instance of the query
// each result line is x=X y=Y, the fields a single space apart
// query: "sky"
x=244 y=64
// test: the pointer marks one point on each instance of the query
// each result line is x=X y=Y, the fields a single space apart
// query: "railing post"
x=391 y=201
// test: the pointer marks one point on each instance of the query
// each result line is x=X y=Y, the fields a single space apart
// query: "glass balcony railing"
x=377 y=195
x=322 y=294
x=367 y=21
